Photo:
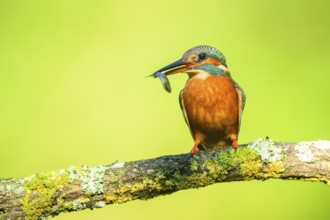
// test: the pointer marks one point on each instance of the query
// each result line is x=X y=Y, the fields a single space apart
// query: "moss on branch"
x=73 y=189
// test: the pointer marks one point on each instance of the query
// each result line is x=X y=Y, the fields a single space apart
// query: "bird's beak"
x=178 y=66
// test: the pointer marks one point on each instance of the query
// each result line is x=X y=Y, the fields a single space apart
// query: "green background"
x=73 y=91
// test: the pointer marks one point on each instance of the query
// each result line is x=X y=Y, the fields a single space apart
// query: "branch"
x=50 y=193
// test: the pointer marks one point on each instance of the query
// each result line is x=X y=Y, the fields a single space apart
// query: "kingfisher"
x=212 y=103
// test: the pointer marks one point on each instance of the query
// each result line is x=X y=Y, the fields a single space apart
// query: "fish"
x=165 y=82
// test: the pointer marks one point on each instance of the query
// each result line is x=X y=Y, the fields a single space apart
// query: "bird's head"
x=198 y=58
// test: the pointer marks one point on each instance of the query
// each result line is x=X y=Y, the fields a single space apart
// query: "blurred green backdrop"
x=73 y=91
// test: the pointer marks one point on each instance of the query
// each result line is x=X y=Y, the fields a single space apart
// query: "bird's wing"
x=184 y=112
x=241 y=102
x=183 y=109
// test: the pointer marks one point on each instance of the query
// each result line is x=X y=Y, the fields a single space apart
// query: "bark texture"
x=73 y=189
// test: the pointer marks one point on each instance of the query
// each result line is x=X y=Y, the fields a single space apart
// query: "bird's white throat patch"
x=202 y=75
x=199 y=74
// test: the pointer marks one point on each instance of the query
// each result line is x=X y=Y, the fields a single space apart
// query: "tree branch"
x=50 y=193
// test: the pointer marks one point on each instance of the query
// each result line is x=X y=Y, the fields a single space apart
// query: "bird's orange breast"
x=211 y=105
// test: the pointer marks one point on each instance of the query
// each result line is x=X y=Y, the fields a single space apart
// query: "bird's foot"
x=234 y=144
x=193 y=150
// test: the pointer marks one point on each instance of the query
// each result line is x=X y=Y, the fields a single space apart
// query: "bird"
x=212 y=103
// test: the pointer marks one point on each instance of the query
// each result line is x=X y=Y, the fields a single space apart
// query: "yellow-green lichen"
x=257 y=169
x=273 y=169
x=180 y=181
x=196 y=180
x=215 y=169
x=227 y=159
x=261 y=159
x=118 y=198
x=249 y=162
x=250 y=169
x=159 y=176
x=126 y=191
x=218 y=167
x=193 y=165
x=61 y=204
x=40 y=189
x=75 y=205
x=243 y=155
x=80 y=203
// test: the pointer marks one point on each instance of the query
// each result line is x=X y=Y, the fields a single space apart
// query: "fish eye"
x=202 y=56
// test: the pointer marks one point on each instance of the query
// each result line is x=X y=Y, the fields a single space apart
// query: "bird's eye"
x=201 y=56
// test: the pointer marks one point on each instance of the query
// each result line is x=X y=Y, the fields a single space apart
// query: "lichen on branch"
x=77 y=188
